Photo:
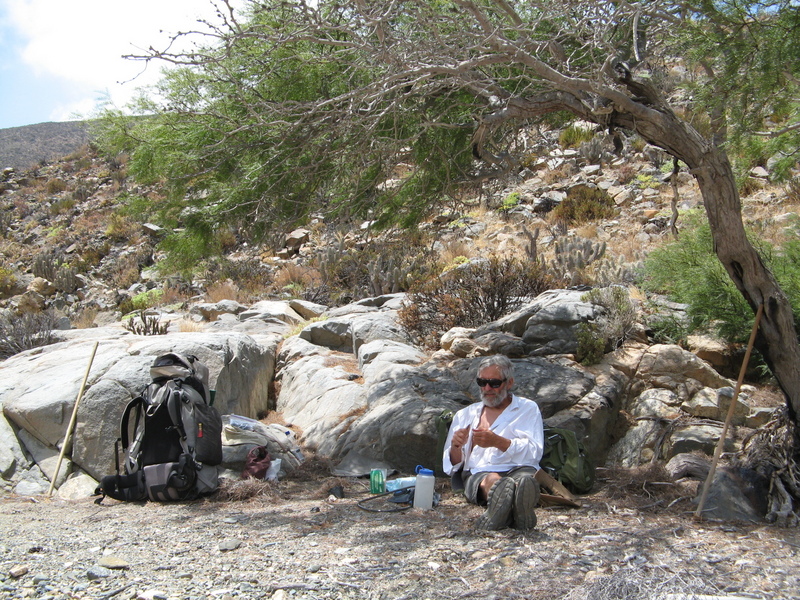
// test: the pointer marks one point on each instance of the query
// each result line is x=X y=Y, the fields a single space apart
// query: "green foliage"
x=644 y=182
x=573 y=136
x=510 y=201
x=8 y=281
x=688 y=271
x=591 y=345
x=471 y=295
x=614 y=324
x=749 y=46
x=147 y=299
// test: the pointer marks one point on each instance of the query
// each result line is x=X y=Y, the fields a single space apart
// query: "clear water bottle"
x=423 y=490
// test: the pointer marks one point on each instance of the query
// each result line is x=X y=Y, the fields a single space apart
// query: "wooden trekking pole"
x=72 y=421
x=718 y=451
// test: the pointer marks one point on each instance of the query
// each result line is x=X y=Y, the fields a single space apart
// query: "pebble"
x=113 y=562
x=229 y=544
x=98 y=572
x=17 y=571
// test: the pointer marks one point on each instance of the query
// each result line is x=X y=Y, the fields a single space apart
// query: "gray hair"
x=501 y=361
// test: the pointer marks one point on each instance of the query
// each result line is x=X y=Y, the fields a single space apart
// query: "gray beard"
x=493 y=403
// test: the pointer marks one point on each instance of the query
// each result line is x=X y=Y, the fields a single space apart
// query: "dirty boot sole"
x=526 y=497
x=501 y=500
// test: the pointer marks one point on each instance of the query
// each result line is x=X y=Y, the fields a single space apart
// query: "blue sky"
x=59 y=58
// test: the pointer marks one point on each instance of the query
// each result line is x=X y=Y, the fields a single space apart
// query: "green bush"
x=147 y=299
x=573 y=136
x=471 y=295
x=688 y=271
x=613 y=326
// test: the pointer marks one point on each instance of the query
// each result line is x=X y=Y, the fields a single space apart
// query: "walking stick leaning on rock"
x=72 y=420
x=698 y=515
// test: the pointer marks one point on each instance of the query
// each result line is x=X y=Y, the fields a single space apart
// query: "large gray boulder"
x=548 y=325
x=384 y=406
x=39 y=387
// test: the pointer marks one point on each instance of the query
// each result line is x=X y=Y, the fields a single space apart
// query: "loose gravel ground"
x=297 y=541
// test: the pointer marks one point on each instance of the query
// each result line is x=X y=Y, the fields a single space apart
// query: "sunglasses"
x=492 y=383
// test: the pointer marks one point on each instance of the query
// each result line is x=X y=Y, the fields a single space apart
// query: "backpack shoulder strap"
x=137 y=404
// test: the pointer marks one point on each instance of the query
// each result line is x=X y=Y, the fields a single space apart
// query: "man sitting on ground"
x=495 y=446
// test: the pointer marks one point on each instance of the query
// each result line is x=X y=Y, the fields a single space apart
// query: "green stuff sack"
x=443 y=422
x=565 y=459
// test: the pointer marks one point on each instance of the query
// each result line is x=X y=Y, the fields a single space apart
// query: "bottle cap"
x=420 y=470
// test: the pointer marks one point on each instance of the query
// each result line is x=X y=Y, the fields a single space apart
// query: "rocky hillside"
x=64 y=221
x=25 y=147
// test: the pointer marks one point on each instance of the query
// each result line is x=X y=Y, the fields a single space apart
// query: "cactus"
x=56 y=272
x=573 y=256
x=146 y=325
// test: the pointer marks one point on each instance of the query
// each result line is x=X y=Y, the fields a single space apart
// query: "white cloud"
x=83 y=41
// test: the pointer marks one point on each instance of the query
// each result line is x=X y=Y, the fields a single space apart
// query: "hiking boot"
x=526 y=497
x=498 y=510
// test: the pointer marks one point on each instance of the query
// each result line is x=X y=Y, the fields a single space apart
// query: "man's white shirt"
x=520 y=422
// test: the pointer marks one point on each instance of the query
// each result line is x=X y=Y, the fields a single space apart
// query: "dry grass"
x=292 y=275
x=186 y=325
x=245 y=489
x=455 y=248
x=173 y=295
x=85 y=320
x=346 y=362
x=222 y=290
x=633 y=583
x=648 y=487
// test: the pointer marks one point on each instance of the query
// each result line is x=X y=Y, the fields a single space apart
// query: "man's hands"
x=460 y=438
x=486 y=438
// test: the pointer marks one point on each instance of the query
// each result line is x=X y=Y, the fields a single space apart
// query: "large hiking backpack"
x=170 y=436
x=565 y=459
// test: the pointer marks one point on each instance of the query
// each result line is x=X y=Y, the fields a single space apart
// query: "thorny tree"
x=300 y=106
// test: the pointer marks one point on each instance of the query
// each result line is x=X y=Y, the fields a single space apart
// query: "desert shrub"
x=793 y=190
x=471 y=295
x=26 y=331
x=252 y=277
x=55 y=186
x=349 y=274
x=591 y=344
x=147 y=299
x=8 y=282
x=688 y=271
x=626 y=173
x=615 y=324
x=584 y=204
x=573 y=136
x=121 y=228
x=62 y=206
x=222 y=290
